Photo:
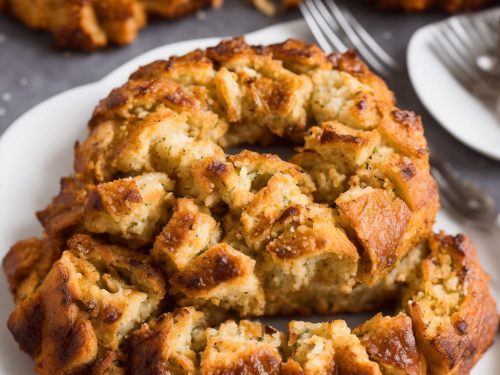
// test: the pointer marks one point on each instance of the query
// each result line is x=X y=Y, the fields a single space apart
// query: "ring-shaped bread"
x=159 y=216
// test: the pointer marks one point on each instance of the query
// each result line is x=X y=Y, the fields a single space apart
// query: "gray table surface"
x=32 y=71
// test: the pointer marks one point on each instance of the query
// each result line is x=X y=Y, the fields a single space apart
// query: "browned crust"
x=139 y=267
x=377 y=222
x=346 y=364
x=27 y=263
x=405 y=132
x=109 y=363
x=114 y=199
x=50 y=327
x=177 y=230
x=291 y=367
x=177 y=8
x=350 y=62
x=390 y=342
x=257 y=362
x=65 y=213
x=89 y=25
x=460 y=343
x=295 y=246
x=148 y=352
x=298 y=57
x=217 y=265
x=151 y=349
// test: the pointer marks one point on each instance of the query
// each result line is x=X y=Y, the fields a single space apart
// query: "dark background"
x=32 y=71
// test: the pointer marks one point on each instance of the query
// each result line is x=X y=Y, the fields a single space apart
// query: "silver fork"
x=465 y=41
x=460 y=44
x=335 y=28
x=468 y=78
x=476 y=38
x=326 y=19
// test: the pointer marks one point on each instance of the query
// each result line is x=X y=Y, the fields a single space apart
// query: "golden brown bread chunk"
x=377 y=220
x=190 y=231
x=326 y=348
x=92 y=24
x=131 y=208
x=27 y=263
x=258 y=90
x=93 y=296
x=453 y=314
x=295 y=243
x=109 y=363
x=243 y=348
x=65 y=213
x=311 y=348
x=168 y=345
x=220 y=276
x=390 y=342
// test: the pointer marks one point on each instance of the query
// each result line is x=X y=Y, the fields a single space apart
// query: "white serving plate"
x=38 y=148
x=454 y=107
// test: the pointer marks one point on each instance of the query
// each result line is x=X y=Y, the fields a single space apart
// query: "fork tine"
x=353 y=38
x=455 y=56
x=464 y=39
x=461 y=49
x=466 y=52
x=492 y=23
x=469 y=28
x=313 y=26
x=353 y=28
x=450 y=62
x=324 y=25
x=462 y=74
x=479 y=30
x=465 y=34
x=329 y=20
x=466 y=60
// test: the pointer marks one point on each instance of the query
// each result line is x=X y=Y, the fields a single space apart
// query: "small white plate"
x=453 y=106
x=37 y=149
